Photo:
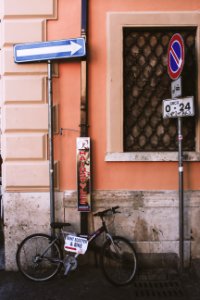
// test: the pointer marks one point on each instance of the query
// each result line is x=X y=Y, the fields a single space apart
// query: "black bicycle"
x=39 y=256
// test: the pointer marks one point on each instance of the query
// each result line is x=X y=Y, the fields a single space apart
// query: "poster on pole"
x=83 y=174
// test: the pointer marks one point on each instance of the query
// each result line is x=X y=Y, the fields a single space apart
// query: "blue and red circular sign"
x=176 y=56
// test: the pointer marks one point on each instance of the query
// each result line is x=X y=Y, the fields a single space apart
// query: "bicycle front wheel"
x=38 y=258
x=118 y=261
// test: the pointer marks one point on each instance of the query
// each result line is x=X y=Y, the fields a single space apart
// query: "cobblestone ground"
x=88 y=282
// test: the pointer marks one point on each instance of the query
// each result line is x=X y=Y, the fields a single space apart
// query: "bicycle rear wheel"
x=38 y=259
x=118 y=261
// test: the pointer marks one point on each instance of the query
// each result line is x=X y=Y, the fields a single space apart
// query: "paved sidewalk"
x=88 y=282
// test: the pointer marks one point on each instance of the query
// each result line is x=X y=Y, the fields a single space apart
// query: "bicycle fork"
x=113 y=244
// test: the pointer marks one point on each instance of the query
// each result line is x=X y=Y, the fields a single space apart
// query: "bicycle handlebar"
x=102 y=213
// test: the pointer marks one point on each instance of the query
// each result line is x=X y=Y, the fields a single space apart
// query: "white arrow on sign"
x=72 y=48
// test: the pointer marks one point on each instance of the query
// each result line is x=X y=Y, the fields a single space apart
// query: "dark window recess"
x=146 y=84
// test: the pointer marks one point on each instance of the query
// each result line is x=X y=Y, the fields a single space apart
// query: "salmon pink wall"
x=66 y=92
x=106 y=175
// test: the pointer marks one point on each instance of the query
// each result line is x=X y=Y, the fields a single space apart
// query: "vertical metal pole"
x=51 y=149
x=84 y=72
x=181 y=204
x=84 y=97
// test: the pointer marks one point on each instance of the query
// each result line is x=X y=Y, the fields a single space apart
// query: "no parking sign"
x=176 y=56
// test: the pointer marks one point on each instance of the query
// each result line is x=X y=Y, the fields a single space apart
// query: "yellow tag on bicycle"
x=76 y=244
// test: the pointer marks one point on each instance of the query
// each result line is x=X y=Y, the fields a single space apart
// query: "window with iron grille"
x=146 y=84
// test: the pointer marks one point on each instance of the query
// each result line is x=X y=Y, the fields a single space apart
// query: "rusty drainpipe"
x=84 y=95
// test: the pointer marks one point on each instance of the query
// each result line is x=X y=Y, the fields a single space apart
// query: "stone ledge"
x=108 y=198
x=150 y=156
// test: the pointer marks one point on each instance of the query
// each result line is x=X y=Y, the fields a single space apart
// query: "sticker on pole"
x=174 y=108
x=176 y=88
x=176 y=56
x=76 y=244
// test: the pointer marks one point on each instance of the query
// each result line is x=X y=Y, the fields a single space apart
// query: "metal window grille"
x=147 y=83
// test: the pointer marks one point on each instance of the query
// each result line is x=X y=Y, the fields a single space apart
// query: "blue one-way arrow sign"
x=54 y=50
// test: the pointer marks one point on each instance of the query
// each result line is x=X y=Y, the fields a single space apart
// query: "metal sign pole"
x=51 y=148
x=178 y=108
x=181 y=199
x=47 y=52
x=176 y=58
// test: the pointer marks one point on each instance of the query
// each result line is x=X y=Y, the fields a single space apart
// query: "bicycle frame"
x=45 y=251
x=90 y=237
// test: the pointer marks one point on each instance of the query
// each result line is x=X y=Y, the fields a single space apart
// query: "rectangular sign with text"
x=174 y=108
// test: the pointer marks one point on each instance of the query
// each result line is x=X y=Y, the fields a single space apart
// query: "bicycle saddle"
x=59 y=224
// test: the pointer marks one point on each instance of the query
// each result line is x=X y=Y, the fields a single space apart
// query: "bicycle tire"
x=119 y=262
x=29 y=260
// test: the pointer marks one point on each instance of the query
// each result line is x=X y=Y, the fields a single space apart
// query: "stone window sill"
x=151 y=156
